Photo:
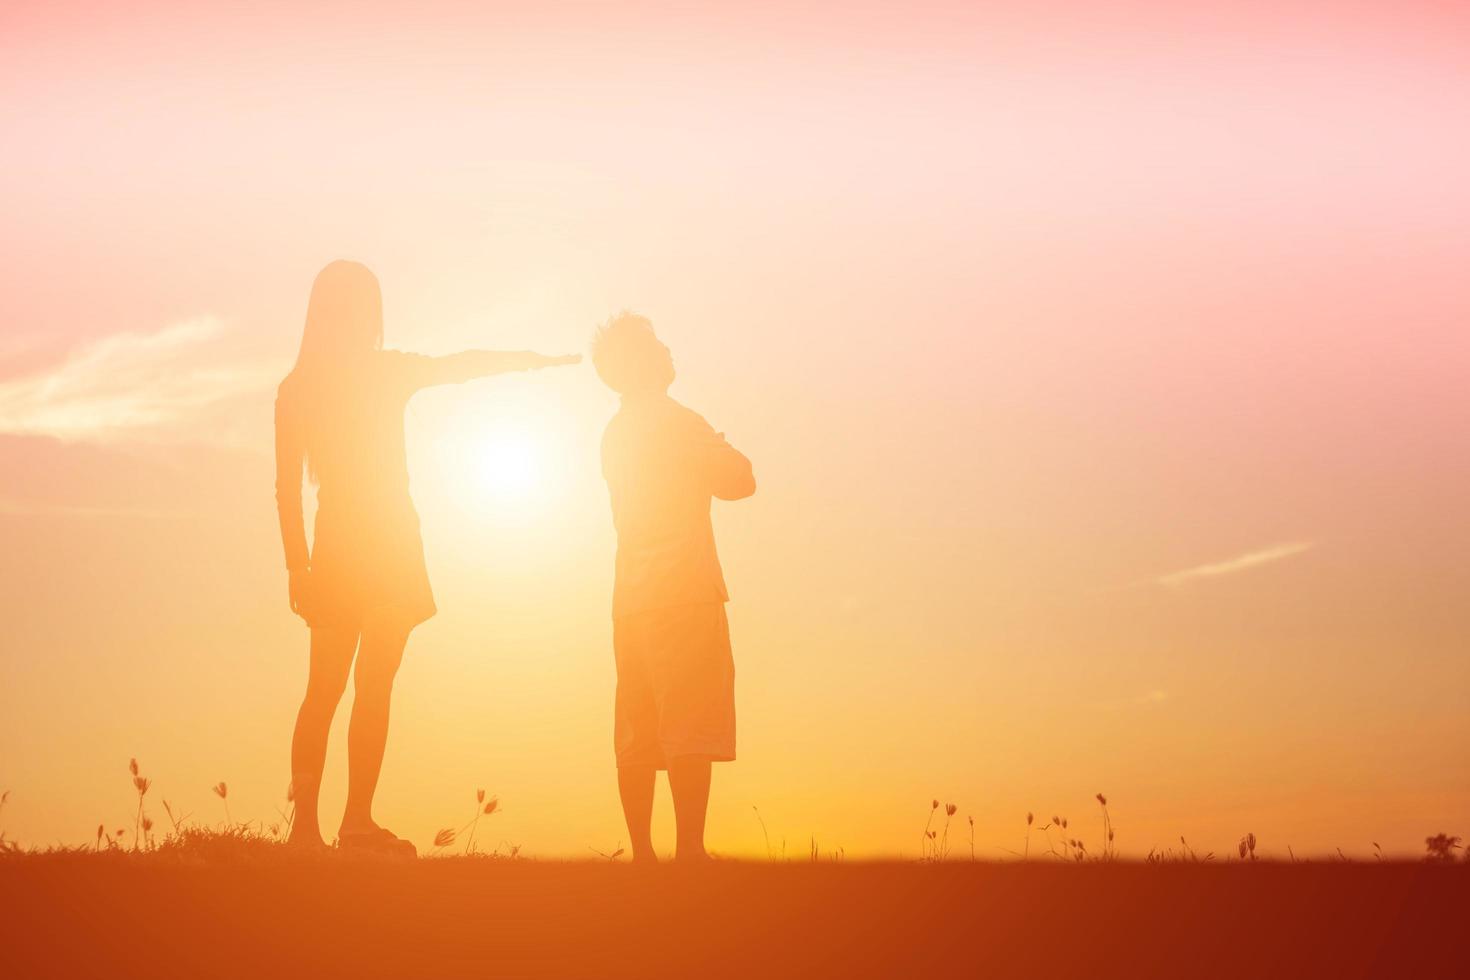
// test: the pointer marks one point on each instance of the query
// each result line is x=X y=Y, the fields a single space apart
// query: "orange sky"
x=1103 y=375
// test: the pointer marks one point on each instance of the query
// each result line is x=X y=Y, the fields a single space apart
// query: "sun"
x=497 y=471
x=505 y=465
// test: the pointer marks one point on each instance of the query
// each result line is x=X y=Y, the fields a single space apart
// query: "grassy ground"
x=223 y=909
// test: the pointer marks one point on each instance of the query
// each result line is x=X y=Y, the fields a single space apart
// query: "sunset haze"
x=1103 y=370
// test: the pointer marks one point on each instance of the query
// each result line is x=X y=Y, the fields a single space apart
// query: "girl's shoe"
x=377 y=841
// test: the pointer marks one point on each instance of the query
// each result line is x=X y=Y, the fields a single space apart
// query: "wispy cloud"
x=14 y=508
x=125 y=382
x=1233 y=566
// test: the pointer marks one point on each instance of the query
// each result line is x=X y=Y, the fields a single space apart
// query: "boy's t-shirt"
x=663 y=463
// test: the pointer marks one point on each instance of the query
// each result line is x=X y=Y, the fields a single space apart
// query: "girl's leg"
x=378 y=658
x=331 y=659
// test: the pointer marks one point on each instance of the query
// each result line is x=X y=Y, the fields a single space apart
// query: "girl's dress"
x=367 y=557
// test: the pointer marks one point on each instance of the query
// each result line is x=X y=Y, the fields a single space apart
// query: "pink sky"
x=1103 y=369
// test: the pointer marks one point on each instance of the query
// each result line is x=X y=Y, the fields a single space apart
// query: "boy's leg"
x=635 y=734
x=697 y=716
x=635 y=787
x=689 y=781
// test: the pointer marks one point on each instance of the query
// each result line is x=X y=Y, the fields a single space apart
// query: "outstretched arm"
x=425 y=371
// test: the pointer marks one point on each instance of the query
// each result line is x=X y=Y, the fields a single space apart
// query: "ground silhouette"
x=123 y=915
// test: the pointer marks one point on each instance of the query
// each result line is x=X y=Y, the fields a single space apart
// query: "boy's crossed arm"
x=731 y=477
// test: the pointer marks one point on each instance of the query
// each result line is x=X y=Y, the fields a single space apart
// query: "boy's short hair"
x=624 y=352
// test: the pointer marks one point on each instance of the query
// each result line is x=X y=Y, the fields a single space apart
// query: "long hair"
x=344 y=323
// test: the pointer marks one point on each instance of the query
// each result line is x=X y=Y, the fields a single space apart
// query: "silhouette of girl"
x=363 y=586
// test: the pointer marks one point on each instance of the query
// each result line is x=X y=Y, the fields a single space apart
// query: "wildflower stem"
x=924 y=841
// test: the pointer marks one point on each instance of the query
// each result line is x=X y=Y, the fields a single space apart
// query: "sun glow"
x=506 y=465
x=503 y=466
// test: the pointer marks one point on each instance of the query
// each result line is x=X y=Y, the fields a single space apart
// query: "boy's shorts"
x=676 y=686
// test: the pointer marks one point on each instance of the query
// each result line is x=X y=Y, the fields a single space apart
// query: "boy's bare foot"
x=692 y=857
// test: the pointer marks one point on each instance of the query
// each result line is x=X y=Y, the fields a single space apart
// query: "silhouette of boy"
x=675 y=702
